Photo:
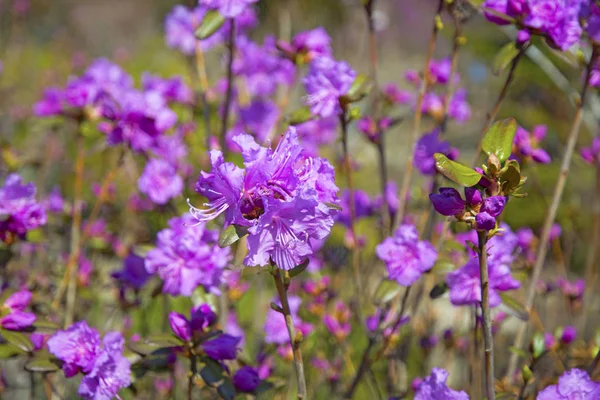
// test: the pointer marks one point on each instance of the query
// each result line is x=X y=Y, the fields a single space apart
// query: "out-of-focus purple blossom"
x=111 y=371
x=77 y=347
x=439 y=71
x=228 y=8
x=275 y=327
x=172 y=89
x=172 y=149
x=427 y=146
x=373 y=129
x=394 y=95
x=133 y=273
x=313 y=43
x=573 y=384
x=55 y=203
x=555 y=231
x=236 y=286
x=19 y=210
x=259 y=118
x=338 y=322
x=550 y=342
x=433 y=387
x=391 y=198
x=187 y=256
x=525 y=145
x=459 y=108
x=526 y=244
x=38 y=340
x=84 y=272
x=246 y=379
x=326 y=82
x=317 y=132
x=406 y=257
x=233 y=328
x=592 y=154
x=280 y=195
x=262 y=67
x=223 y=347
x=160 y=181
x=569 y=334
x=572 y=289
x=202 y=317
x=363 y=206
x=182 y=22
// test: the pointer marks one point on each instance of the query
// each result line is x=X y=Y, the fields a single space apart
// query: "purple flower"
x=18 y=301
x=160 y=181
x=172 y=89
x=439 y=71
x=314 y=43
x=391 y=198
x=180 y=326
x=280 y=196
x=573 y=384
x=228 y=8
x=246 y=379
x=363 y=206
x=317 y=132
x=406 y=257
x=327 y=80
x=19 y=211
x=592 y=154
x=427 y=146
x=110 y=373
x=448 y=202
x=55 y=203
x=569 y=334
x=275 y=327
x=134 y=272
x=259 y=118
x=525 y=145
x=459 y=109
x=17 y=320
x=499 y=6
x=573 y=290
x=187 y=256
x=224 y=347
x=433 y=387
x=77 y=347
x=338 y=322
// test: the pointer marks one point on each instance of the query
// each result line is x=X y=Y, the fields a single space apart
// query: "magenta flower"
x=448 y=202
x=406 y=257
x=592 y=154
x=54 y=203
x=77 y=347
x=17 y=319
x=180 y=326
x=19 y=210
x=338 y=322
x=317 y=132
x=187 y=256
x=573 y=384
x=228 y=8
x=133 y=273
x=433 y=387
x=223 y=347
x=363 y=206
x=314 y=43
x=280 y=196
x=326 y=82
x=569 y=334
x=275 y=327
x=459 y=108
x=171 y=89
x=427 y=146
x=160 y=181
x=246 y=379
x=525 y=145
x=110 y=373
x=259 y=118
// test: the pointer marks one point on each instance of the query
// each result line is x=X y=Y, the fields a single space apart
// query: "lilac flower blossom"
x=133 y=273
x=246 y=379
x=228 y=8
x=280 y=196
x=14 y=317
x=317 y=132
x=171 y=89
x=259 y=118
x=427 y=146
x=313 y=43
x=77 y=347
x=326 y=82
x=573 y=384
x=406 y=257
x=223 y=347
x=592 y=154
x=363 y=206
x=187 y=256
x=391 y=198
x=19 y=210
x=55 y=203
x=338 y=322
x=525 y=145
x=433 y=387
x=160 y=181
x=275 y=327
x=372 y=129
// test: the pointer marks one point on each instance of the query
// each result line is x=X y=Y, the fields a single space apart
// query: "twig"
x=294 y=339
x=75 y=229
x=406 y=179
x=501 y=96
x=488 y=339
x=453 y=67
x=229 y=85
x=551 y=215
x=192 y=376
x=594 y=363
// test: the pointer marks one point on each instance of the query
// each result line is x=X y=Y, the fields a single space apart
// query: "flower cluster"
x=526 y=145
x=187 y=256
x=433 y=387
x=427 y=146
x=573 y=384
x=102 y=363
x=280 y=197
x=12 y=314
x=20 y=212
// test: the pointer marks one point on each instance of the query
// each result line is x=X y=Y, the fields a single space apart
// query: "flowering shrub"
x=259 y=214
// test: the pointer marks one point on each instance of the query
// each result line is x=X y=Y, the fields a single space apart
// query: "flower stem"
x=406 y=179
x=192 y=375
x=350 y=184
x=75 y=229
x=295 y=341
x=488 y=339
x=551 y=215
x=501 y=96
x=453 y=67
x=229 y=92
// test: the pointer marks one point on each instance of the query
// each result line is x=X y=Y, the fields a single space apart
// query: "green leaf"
x=45 y=327
x=212 y=373
x=297 y=270
x=333 y=206
x=8 y=350
x=514 y=307
x=438 y=290
x=226 y=390
x=387 y=291
x=17 y=339
x=511 y=179
x=232 y=234
x=359 y=88
x=520 y=352
x=538 y=345
x=299 y=116
x=498 y=140
x=504 y=57
x=456 y=172
x=41 y=365
x=210 y=24
x=164 y=340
